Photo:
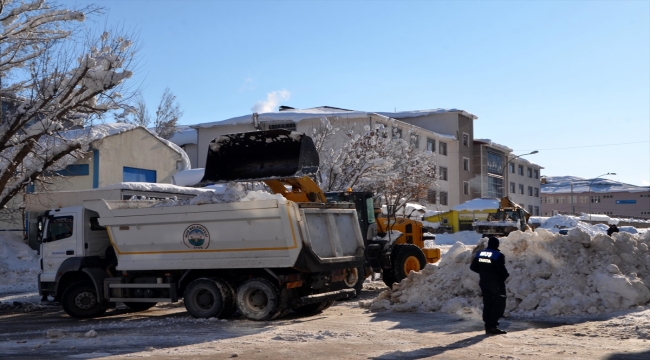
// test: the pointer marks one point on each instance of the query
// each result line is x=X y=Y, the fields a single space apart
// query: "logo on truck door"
x=196 y=236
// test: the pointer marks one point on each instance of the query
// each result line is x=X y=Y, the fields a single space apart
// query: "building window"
x=536 y=173
x=443 y=148
x=521 y=189
x=511 y=166
x=495 y=186
x=520 y=170
x=443 y=173
x=550 y=200
x=494 y=163
x=466 y=139
x=431 y=144
x=536 y=192
x=512 y=188
x=288 y=126
x=443 y=198
x=465 y=187
x=529 y=171
x=536 y=213
x=530 y=209
x=465 y=164
x=560 y=200
x=595 y=199
x=72 y=170
x=584 y=199
x=530 y=191
x=415 y=140
x=431 y=196
x=397 y=133
x=138 y=175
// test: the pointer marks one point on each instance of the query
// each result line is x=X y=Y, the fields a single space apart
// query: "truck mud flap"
x=328 y=296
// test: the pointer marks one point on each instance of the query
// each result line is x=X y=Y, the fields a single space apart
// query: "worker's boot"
x=495 y=331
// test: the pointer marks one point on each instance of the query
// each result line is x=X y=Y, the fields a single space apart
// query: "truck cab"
x=71 y=239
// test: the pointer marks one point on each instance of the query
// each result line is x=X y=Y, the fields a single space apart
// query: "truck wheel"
x=204 y=298
x=140 y=306
x=79 y=300
x=407 y=257
x=229 y=301
x=354 y=278
x=259 y=299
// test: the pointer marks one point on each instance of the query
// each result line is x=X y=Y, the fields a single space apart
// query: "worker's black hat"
x=493 y=243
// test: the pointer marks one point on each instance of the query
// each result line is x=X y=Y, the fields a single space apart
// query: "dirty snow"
x=551 y=275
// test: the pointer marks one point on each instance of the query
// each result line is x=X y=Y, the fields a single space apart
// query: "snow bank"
x=232 y=192
x=550 y=274
x=19 y=266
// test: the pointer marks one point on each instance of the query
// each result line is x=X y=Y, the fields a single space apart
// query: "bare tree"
x=377 y=160
x=53 y=80
x=168 y=113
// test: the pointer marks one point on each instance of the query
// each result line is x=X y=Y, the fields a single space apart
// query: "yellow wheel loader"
x=508 y=218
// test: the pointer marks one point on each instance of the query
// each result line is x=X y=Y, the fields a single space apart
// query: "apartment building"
x=575 y=195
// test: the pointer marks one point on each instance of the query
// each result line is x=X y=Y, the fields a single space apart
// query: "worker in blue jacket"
x=490 y=264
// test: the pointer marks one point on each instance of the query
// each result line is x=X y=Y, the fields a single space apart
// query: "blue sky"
x=568 y=78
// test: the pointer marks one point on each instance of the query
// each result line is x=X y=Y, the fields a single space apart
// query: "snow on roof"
x=100 y=131
x=562 y=184
x=295 y=115
x=184 y=135
x=491 y=143
x=478 y=205
x=418 y=113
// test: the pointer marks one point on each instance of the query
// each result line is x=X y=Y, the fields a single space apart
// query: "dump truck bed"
x=251 y=234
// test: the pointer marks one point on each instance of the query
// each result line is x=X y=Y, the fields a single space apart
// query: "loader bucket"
x=260 y=155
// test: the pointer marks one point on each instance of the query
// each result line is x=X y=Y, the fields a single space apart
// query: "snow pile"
x=550 y=274
x=19 y=266
x=557 y=222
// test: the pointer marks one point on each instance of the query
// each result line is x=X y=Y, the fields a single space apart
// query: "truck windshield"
x=60 y=227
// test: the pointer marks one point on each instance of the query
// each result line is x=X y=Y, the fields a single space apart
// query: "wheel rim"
x=351 y=277
x=411 y=263
x=85 y=300
x=205 y=299
x=257 y=300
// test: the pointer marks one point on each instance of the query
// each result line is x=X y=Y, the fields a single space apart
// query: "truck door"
x=59 y=243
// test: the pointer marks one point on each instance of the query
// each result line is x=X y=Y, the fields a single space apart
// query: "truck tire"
x=259 y=299
x=204 y=298
x=229 y=300
x=406 y=257
x=140 y=306
x=354 y=278
x=80 y=300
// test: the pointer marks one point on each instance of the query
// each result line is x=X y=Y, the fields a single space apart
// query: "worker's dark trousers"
x=494 y=303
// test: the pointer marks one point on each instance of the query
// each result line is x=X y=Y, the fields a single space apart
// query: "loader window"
x=371 y=211
x=60 y=227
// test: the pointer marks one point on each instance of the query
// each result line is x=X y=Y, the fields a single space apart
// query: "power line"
x=588 y=146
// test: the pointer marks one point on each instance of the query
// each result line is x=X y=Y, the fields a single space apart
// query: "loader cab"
x=363 y=203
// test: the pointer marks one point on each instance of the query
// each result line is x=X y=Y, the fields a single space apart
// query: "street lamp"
x=506 y=186
x=590 y=200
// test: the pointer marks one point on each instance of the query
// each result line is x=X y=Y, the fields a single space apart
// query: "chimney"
x=256 y=122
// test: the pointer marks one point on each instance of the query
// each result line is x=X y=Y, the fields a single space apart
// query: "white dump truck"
x=263 y=258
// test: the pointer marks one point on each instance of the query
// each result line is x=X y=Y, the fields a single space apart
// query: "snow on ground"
x=551 y=275
x=19 y=265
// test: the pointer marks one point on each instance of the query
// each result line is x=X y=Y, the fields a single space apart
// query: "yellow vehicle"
x=394 y=257
x=508 y=218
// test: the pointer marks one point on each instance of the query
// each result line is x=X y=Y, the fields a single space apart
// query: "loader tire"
x=80 y=300
x=406 y=258
x=140 y=306
x=204 y=298
x=259 y=299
